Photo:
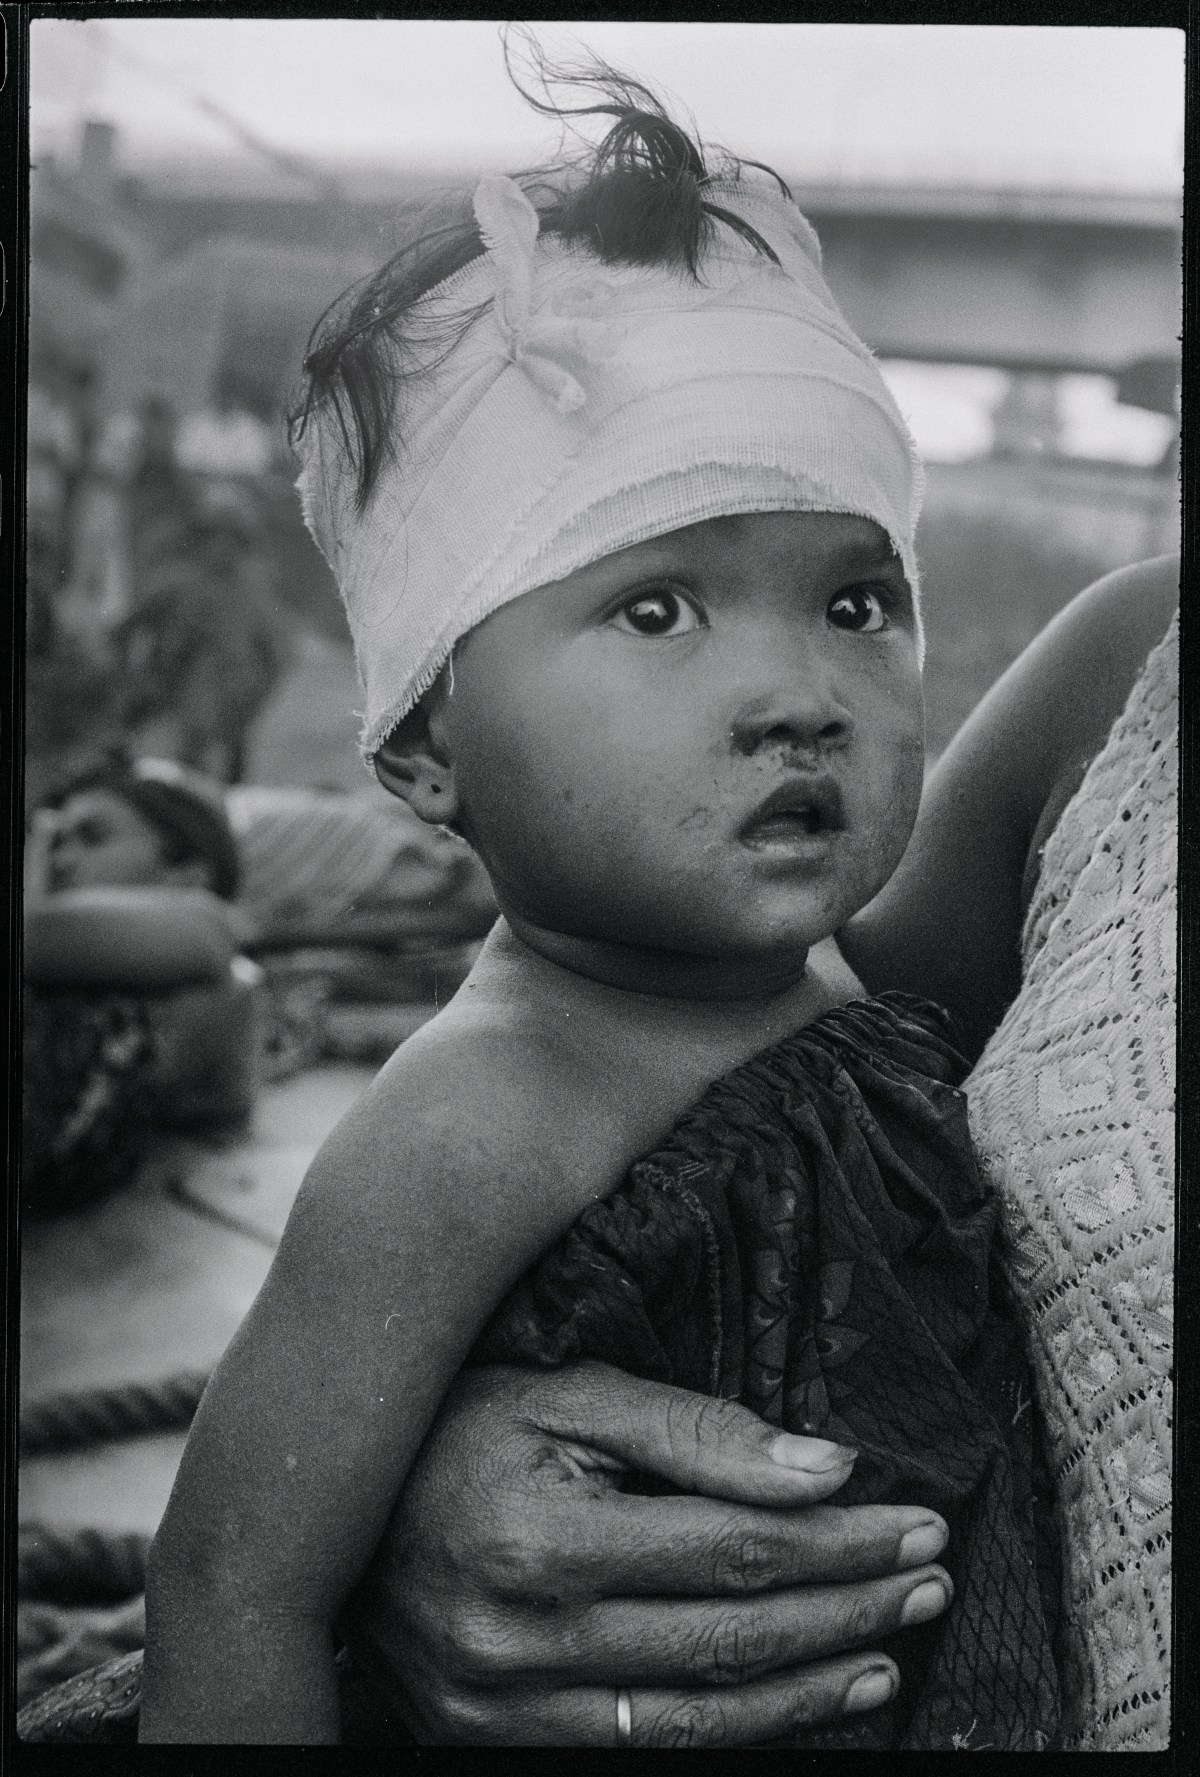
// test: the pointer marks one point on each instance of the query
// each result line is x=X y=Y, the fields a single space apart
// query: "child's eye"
x=858 y=608
x=657 y=614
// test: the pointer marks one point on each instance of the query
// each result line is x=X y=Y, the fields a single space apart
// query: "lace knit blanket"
x=1072 y=1109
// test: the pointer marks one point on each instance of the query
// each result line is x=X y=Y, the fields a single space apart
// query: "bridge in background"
x=1027 y=281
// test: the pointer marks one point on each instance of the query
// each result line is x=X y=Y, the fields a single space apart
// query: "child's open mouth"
x=796 y=815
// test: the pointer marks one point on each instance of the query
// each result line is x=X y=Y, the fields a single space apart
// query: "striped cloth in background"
x=311 y=858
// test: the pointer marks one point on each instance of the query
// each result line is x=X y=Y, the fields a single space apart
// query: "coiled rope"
x=80 y=1591
x=80 y=1605
x=89 y=1416
x=85 y=1566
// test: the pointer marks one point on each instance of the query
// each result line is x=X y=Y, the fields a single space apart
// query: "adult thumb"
x=698 y=1443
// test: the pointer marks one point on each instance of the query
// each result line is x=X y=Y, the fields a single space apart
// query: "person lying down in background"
x=137 y=1005
x=146 y=885
x=623 y=515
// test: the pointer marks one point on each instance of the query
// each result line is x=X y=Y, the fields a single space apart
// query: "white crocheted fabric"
x=1073 y=1111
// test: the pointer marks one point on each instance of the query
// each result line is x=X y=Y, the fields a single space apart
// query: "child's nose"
x=804 y=718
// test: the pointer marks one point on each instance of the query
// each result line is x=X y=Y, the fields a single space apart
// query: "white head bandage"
x=588 y=407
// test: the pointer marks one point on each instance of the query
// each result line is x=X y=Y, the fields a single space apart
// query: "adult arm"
x=948 y=923
x=517 y=1586
x=140 y=939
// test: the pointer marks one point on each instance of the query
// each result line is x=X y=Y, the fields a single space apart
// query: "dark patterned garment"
x=87 y=1095
x=816 y=1241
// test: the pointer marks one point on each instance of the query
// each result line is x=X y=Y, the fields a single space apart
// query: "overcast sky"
x=1082 y=106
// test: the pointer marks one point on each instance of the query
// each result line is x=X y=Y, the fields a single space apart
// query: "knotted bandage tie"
x=584 y=407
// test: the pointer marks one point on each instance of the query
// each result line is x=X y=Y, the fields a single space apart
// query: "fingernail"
x=927 y=1600
x=869 y=1691
x=817 y=1455
x=922 y=1544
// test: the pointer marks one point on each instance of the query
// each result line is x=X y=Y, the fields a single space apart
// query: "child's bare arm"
x=459 y=1165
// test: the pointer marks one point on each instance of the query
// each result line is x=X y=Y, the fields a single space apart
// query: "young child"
x=622 y=512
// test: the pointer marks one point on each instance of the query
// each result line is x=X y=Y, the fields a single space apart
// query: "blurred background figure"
x=205 y=639
x=70 y=701
x=139 y=1009
x=158 y=494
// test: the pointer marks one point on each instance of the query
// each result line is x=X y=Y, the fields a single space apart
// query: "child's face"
x=710 y=743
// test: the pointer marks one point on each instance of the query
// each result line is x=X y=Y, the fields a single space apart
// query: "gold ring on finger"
x=624 y=1717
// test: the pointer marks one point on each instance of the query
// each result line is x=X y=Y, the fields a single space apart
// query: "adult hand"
x=517 y=1588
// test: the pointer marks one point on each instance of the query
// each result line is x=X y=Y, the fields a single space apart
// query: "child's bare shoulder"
x=532 y=1085
x=490 y=1086
x=437 y=1086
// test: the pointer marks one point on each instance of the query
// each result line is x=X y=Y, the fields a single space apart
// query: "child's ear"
x=414 y=763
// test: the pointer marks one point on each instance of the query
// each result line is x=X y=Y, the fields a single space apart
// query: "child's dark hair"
x=638 y=198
